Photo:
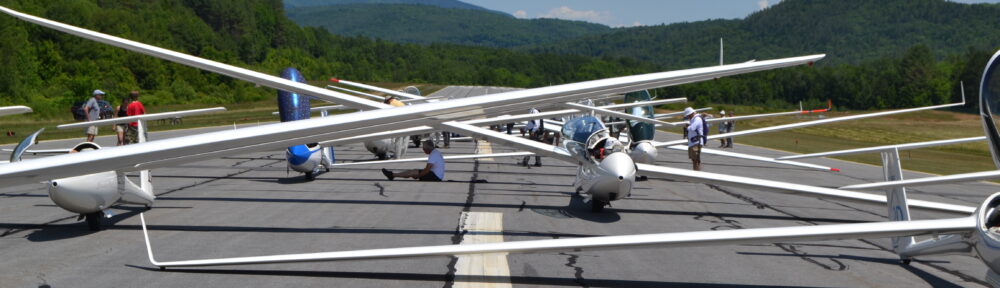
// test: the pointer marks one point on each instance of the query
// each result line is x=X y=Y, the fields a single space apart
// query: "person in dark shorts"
x=433 y=171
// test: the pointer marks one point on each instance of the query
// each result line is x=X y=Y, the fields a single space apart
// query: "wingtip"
x=834 y=169
x=149 y=247
x=334 y=80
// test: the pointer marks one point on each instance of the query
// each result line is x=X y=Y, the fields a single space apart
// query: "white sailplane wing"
x=428 y=129
x=617 y=114
x=13 y=110
x=424 y=159
x=813 y=123
x=877 y=149
x=378 y=89
x=146 y=117
x=533 y=146
x=660 y=240
x=644 y=103
x=935 y=180
x=757 y=158
x=785 y=187
x=277 y=136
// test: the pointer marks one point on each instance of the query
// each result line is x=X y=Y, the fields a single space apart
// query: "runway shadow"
x=580 y=209
x=931 y=279
x=518 y=280
x=53 y=232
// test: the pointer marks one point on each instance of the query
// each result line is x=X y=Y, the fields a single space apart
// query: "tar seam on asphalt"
x=39 y=226
x=578 y=271
x=457 y=238
x=750 y=200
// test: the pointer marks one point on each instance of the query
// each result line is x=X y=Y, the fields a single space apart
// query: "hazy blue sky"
x=634 y=12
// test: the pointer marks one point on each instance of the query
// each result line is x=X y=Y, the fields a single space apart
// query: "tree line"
x=49 y=70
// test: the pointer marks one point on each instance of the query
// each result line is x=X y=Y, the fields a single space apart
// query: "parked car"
x=107 y=111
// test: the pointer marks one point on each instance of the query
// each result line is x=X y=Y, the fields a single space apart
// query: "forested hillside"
x=436 y=3
x=48 y=70
x=425 y=24
x=849 y=31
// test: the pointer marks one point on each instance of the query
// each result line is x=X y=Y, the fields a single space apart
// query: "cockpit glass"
x=640 y=96
x=579 y=129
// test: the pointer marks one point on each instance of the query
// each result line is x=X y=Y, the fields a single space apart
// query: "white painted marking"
x=482 y=270
x=484 y=147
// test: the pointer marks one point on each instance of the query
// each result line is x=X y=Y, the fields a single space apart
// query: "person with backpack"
x=697 y=132
x=122 y=111
x=92 y=110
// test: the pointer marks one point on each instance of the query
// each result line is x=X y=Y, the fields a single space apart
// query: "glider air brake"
x=92 y=195
x=978 y=233
x=442 y=115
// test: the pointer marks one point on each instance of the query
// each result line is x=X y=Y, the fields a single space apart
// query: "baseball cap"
x=98 y=92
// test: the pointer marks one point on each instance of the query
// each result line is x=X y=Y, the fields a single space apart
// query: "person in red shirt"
x=134 y=108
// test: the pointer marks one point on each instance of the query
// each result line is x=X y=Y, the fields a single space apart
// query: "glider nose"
x=619 y=176
x=85 y=194
x=644 y=152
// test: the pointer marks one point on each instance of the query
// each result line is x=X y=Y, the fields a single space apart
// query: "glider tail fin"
x=142 y=193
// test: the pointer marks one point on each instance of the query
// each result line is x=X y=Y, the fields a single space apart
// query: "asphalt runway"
x=249 y=205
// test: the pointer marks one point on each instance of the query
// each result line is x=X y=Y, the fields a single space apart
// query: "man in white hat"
x=93 y=111
x=696 y=136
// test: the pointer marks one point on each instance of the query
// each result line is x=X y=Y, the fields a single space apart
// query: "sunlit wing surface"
x=707 y=151
x=661 y=240
x=428 y=129
x=146 y=117
x=378 y=89
x=321 y=109
x=617 y=114
x=756 y=116
x=885 y=148
x=645 y=103
x=278 y=136
x=533 y=146
x=13 y=110
x=813 y=123
x=677 y=114
x=373 y=97
x=785 y=187
x=423 y=159
x=934 y=180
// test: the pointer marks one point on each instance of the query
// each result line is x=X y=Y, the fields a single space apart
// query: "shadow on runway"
x=931 y=279
x=50 y=231
x=576 y=208
x=519 y=280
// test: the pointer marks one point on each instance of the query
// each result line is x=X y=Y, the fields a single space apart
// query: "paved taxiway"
x=249 y=205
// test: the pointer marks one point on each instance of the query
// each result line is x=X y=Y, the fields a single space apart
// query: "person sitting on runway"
x=434 y=171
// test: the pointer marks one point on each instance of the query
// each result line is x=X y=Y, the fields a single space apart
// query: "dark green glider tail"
x=640 y=131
